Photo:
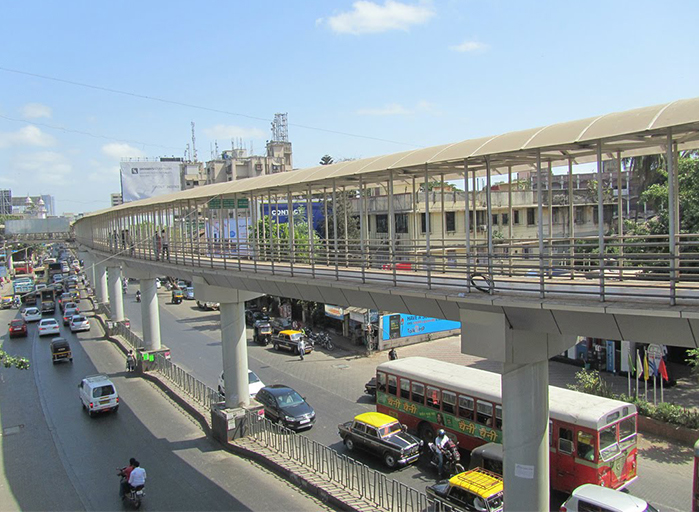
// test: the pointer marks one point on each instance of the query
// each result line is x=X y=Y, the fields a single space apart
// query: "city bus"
x=591 y=439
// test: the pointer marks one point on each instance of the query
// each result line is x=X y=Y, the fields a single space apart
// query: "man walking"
x=302 y=348
x=165 y=241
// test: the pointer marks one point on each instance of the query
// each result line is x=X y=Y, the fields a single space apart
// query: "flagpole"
x=655 y=390
x=638 y=369
x=662 y=397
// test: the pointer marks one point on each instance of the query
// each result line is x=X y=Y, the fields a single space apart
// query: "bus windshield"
x=608 y=445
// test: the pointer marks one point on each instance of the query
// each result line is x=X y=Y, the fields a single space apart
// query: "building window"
x=450 y=221
x=480 y=218
x=531 y=216
x=424 y=223
x=495 y=219
x=505 y=219
x=401 y=222
x=515 y=216
x=382 y=223
x=580 y=215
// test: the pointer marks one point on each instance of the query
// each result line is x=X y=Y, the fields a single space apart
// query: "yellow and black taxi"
x=60 y=350
x=289 y=340
x=381 y=435
x=476 y=489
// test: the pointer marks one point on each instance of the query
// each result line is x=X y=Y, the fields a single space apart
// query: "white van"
x=254 y=384
x=98 y=394
x=595 y=498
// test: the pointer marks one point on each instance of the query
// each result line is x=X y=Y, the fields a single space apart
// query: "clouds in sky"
x=26 y=136
x=367 y=17
x=226 y=132
x=119 y=150
x=44 y=167
x=36 y=111
x=469 y=47
x=396 y=109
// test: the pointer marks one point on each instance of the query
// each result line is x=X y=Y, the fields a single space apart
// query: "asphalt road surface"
x=55 y=457
x=333 y=383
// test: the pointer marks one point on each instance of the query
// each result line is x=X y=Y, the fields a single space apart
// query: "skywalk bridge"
x=520 y=301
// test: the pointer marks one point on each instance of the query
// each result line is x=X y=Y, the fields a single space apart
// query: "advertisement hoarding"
x=401 y=326
x=280 y=212
x=142 y=180
x=232 y=235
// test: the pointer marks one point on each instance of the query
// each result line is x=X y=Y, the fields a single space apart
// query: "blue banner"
x=402 y=326
x=280 y=212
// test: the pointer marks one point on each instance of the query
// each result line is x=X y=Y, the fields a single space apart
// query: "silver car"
x=79 y=323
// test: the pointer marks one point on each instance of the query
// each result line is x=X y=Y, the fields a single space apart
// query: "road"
x=333 y=383
x=54 y=457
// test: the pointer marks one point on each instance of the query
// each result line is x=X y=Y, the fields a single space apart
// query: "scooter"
x=452 y=459
x=133 y=497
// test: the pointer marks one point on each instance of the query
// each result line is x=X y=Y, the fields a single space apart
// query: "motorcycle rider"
x=442 y=444
x=126 y=473
x=137 y=478
x=138 y=295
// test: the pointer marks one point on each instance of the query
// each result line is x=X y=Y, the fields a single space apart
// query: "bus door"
x=563 y=460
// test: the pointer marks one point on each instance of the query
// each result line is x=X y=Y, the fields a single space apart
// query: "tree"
x=326 y=160
x=275 y=236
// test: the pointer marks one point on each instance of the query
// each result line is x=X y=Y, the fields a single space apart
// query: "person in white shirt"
x=441 y=442
x=137 y=478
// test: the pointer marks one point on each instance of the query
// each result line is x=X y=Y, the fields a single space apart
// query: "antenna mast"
x=194 y=145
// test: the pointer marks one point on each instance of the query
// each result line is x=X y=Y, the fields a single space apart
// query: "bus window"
x=418 y=393
x=498 y=417
x=586 y=446
x=381 y=382
x=392 y=385
x=448 y=402
x=466 y=407
x=405 y=389
x=627 y=431
x=485 y=413
x=433 y=397
x=565 y=441
x=608 y=445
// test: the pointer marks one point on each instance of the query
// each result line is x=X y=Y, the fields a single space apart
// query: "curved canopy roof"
x=635 y=132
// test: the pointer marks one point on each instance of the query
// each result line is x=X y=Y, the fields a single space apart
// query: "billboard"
x=280 y=212
x=401 y=326
x=36 y=226
x=141 y=180
x=232 y=234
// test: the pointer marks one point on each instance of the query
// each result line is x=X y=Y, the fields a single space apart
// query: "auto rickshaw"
x=262 y=333
x=60 y=349
x=177 y=296
x=7 y=302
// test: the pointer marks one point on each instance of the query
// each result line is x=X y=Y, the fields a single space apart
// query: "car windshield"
x=289 y=398
x=103 y=391
x=78 y=318
x=32 y=311
x=253 y=378
x=389 y=429
x=48 y=322
x=296 y=336
x=17 y=323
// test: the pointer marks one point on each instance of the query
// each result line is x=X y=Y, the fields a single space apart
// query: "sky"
x=85 y=84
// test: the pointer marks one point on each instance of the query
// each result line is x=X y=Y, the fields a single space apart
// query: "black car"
x=284 y=405
x=255 y=316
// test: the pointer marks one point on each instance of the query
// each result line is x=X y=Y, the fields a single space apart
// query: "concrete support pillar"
x=116 y=299
x=525 y=406
x=101 y=282
x=235 y=354
x=150 y=314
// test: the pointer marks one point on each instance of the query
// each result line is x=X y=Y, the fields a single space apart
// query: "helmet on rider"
x=441 y=432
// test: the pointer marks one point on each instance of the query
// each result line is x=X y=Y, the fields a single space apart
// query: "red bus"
x=591 y=439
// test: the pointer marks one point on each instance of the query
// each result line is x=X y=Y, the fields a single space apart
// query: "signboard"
x=141 y=180
x=401 y=326
x=27 y=226
x=229 y=204
x=280 y=212
x=232 y=234
x=655 y=354
x=334 y=312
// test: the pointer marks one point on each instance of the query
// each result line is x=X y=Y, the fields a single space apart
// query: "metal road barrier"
x=370 y=485
x=193 y=387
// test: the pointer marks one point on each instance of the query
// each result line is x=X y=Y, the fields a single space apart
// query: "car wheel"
x=276 y=346
x=426 y=433
x=349 y=443
x=390 y=460
x=116 y=409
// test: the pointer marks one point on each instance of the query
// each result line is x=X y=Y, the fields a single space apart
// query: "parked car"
x=289 y=340
x=98 y=394
x=254 y=384
x=68 y=314
x=60 y=350
x=476 y=489
x=189 y=293
x=595 y=497
x=383 y=436
x=252 y=316
x=18 y=328
x=31 y=314
x=48 y=326
x=284 y=405
x=79 y=323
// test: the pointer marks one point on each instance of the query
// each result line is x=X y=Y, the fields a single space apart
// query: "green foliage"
x=693 y=361
x=274 y=237
x=590 y=382
x=8 y=361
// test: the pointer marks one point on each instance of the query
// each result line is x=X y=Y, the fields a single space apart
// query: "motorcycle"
x=452 y=459
x=323 y=339
x=138 y=296
x=132 y=497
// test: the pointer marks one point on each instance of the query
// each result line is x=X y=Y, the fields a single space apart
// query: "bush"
x=590 y=382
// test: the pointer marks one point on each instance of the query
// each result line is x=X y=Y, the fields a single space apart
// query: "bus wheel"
x=426 y=433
